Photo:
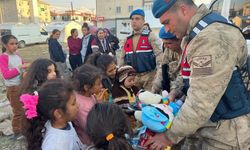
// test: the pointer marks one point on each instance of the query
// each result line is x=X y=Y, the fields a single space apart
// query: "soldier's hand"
x=158 y=142
x=172 y=96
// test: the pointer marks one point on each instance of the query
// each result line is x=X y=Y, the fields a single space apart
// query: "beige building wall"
x=25 y=11
x=111 y=9
x=44 y=12
x=8 y=11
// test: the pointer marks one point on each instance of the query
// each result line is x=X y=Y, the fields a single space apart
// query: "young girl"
x=50 y=112
x=107 y=64
x=108 y=128
x=75 y=46
x=40 y=71
x=12 y=67
x=87 y=81
x=57 y=54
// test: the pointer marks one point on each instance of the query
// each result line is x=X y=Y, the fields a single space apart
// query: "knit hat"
x=161 y=6
x=165 y=35
x=124 y=72
x=137 y=12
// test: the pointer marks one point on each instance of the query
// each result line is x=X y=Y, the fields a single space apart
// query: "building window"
x=130 y=8
x=118 y=9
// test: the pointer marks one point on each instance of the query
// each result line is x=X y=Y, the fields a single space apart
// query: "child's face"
x=12 y=45
x=129 y=81
x=56 y=35
x=111 y=70
x=72 y=108
x=97 y=87
x=51 y=72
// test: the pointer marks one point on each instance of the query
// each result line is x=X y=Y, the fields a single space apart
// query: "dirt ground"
x=29 y=54
x=32 y=52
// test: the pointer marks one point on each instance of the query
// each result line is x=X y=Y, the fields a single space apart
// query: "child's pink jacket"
x=7 y=73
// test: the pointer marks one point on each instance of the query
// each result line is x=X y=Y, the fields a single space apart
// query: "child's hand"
x=25 y=65
x=100 y=96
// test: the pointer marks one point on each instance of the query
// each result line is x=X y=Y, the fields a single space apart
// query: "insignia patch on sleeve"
x=202 y=65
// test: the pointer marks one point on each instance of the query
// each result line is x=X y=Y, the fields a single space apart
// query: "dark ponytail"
x=53 y=94
x=5 y=39
x=34 y=133
x=105 y=119
x=118 y=143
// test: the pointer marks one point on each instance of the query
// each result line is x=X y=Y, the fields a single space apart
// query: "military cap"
x=161 y=6
x=165 y=35
x=137 y=12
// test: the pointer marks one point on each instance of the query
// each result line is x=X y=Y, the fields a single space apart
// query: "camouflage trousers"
x=145 y=80
x=231 y=134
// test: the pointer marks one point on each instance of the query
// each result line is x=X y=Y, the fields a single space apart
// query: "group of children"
x=82 y=113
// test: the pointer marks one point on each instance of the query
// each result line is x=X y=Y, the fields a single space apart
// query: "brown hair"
x=54 y=32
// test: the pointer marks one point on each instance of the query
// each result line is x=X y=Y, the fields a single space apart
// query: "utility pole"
x=143 y=4
x=72 y=11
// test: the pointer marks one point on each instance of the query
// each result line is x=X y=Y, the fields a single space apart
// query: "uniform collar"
x=137 y=32
x=201 y=12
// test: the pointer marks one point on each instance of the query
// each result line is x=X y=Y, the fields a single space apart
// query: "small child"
x=108 y=128
x=12 y=67
x=40 y=71
x=50 y=112
x=107 y=64
x=124 y=91
x=87 y=81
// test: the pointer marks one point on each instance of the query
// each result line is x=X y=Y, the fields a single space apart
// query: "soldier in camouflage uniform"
x=213 y=55
x=171 y=56
x=141 y=51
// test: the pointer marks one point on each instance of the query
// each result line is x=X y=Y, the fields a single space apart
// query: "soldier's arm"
x=156 y=45
x=158 y=78
x=212 y=62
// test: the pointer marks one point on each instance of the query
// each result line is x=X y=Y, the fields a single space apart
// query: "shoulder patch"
x=202 y=65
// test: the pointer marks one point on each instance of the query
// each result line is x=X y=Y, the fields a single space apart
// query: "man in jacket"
x=168 y=70
x=141 y=50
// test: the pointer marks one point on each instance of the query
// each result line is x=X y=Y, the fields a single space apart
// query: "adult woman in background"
x=57 y=54
x=101 y=44
x=75 y=45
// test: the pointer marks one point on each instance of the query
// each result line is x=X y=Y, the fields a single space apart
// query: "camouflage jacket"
x=212 y=55
x=172 y=59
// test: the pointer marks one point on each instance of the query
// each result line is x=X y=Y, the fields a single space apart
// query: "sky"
x=91 y=4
